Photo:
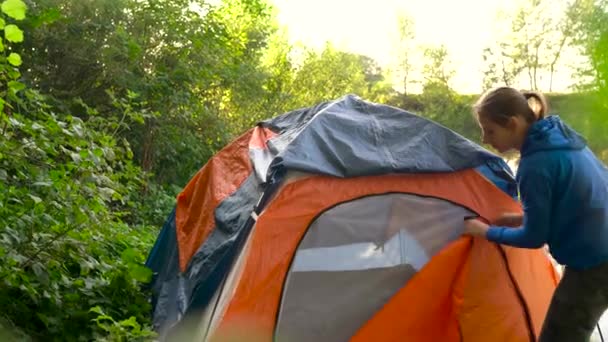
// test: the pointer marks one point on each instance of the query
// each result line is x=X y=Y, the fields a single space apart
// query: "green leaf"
x=2 y=23
x=129 y=255
x=14 y=59
x=97 y=310
x=12 y=33
x=140 y=273
x=1 y=45
x=16 y=86
x=36 y=199
x=132 y=95
x=15 y=122
x=43 y=318
x=40 y=272
x=14 y=9
x=75 y=157
x=47 y=17
x=98 y=152
x=14 y=74
x=130 y=323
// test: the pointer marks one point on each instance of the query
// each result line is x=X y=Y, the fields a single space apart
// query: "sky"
x=369 y=27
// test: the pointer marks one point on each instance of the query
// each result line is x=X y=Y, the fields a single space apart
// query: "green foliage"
x=591 y=36
x=65 y=183
x=194 y=66
x=332 y=74
x=126 y=330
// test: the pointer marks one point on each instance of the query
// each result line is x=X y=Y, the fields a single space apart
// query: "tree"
x=185 y=61
x=538 y=34
x=591 y=36
x=439 y=101
x=405 y=49
x=438 y=69
x=378 y=88
x=327 y=76
x=500 y=68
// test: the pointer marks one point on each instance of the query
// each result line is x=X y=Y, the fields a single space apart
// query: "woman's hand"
x=475 y=227
x=510 y=220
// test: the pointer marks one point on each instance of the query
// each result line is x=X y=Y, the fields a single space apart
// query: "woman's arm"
x=536 y=193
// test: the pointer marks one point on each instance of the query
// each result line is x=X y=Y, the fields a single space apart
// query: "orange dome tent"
x=343 y=222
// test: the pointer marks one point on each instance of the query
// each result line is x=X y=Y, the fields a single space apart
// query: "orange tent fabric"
x=425 y=309
x=468 y=306
x=194 y=218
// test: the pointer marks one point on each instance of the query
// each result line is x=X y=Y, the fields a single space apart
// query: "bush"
x=71 y=269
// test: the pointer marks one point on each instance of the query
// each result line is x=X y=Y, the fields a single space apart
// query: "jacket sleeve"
x=535 y=188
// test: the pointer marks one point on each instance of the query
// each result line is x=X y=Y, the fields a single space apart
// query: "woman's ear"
x=514 y=122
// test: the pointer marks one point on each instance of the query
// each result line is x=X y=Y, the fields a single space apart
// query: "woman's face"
x=502 y=138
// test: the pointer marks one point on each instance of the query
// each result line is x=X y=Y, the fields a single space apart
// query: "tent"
x=343 y=222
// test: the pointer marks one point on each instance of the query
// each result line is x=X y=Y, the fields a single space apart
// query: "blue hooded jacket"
x=564 y=192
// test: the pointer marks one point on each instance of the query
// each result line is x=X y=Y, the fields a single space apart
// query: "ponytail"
x=538 y=104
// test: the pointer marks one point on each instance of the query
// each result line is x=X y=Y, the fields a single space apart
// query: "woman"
x=564 y=193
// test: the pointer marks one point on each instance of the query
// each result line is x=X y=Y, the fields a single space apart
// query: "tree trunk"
x=147 y=153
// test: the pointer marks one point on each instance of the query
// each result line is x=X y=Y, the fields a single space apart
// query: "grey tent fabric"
x=351 y=137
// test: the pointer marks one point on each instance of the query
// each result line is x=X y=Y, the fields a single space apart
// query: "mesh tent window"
x=355 y=256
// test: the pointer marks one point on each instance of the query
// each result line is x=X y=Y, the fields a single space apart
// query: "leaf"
x=98 y=152
x=77 y=128
x=129 y=255
x=43 y=184
x=16 y=123
x=35 y=198
x=14 y=74
x=37 y=127
x=97 y=310
x=14 y=9
x=75 y=157
x=2 y=23
x=47 y=17
x=132 y=95
x=40 y=272
x=109 y=153
x=12 y=33
x=16 y=86
x=14 y=59
x=106 y=193
x=131 y=323
x=43 y=318
x=140 y=273
x=3 y=175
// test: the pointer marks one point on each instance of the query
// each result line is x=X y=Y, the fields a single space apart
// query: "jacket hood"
x=551 y=133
